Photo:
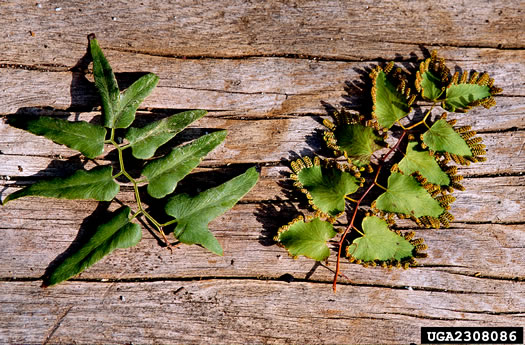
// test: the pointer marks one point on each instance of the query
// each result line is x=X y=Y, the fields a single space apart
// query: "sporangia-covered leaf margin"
x=416 y=174
x=188 y=215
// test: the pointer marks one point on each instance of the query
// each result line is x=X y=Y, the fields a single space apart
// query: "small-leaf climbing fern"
x=189 y=215
x=423 y=165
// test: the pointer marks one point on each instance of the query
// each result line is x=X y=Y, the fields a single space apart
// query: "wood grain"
x=264 y=142
x=245 y=311
x=235 y=28
x=256 y=86
x=267 y=72
x=246 y=234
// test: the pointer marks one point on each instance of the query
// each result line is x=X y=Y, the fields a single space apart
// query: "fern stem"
x=141 y=209
x=358 y=202
x=343 y=236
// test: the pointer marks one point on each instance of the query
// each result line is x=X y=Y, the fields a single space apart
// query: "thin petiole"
x=168 y=244
x=169 y=223
x=117 y=174
x=359 y=231
x=401 y=125
x=135 y=215
x=415 y=125
x=424 y=121
x=350 y=199
x=139 y=181
x=351 y=225
x=380 y=186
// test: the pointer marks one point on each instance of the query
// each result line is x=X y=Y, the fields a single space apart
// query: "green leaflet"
x=118 y=232
x=328 y=187
x=422 y=162
x=379 y=243
x=406 y=196
x=96 y=183
x=463 y=96
x=357 y=142
x=389 y=104
x=194 y=213
x=118 y=108
x=164 y=173
x=81 y=136
x=145 y=141
x=441 y=137
x=307 y=238
x=132 y=97
x=105 y=83
x=431 y=86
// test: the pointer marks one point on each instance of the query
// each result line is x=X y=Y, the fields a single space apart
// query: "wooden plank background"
x=263 y=70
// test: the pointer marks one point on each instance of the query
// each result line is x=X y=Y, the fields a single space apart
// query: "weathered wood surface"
x=264 y=71
x=246 y=311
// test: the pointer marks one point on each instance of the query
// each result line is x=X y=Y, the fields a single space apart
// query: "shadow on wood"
x=87 y=230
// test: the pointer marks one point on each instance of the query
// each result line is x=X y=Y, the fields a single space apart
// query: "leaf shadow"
x=82 y=91
x=87 y=229
x=353 y=99
x=272 y=215
x=315 y=141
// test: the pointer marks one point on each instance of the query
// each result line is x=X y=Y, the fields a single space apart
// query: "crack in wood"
x=495 y=46
x=487 y=276
x=486 y=222
x=503 y=130
x=237 y=92
x=488 y=312
x=39 y=67
x=242 y=56
x=427 y=317
x=57 y=324
x=113 y=281
x=299 y=56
